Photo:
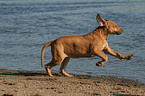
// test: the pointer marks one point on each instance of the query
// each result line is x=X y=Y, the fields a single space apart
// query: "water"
x=25 y=26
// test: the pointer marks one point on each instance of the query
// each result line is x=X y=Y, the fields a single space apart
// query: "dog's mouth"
x=117 y=33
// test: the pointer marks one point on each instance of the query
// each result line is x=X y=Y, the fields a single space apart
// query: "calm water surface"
x=25 y=26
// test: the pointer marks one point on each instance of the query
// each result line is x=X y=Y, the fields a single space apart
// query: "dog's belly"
x=83 y=56
x=80 y=55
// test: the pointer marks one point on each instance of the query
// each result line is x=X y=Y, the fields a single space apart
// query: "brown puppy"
x=88 y=45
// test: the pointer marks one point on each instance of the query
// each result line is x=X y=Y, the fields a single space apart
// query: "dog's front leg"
x=101 y=55
x=110 y=51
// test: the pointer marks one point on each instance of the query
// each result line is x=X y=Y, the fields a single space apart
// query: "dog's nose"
x=121 y=30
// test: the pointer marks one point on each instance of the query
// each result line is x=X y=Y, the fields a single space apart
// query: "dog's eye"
x=114 y=26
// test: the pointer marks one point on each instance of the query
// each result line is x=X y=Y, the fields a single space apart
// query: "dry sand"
x=36 y=83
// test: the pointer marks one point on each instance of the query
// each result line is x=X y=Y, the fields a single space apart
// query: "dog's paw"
x=99 y=64
x=130 y=56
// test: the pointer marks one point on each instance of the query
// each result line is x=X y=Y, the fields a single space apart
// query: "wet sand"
x=37 y=83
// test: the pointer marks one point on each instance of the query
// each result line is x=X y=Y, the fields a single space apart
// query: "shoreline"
x=37 y=83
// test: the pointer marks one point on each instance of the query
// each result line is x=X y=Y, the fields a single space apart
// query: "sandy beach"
x=36 y=83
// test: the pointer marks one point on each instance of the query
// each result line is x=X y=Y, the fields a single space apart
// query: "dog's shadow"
x=25 y=73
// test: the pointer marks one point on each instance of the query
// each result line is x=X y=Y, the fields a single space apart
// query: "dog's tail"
x=42 y=52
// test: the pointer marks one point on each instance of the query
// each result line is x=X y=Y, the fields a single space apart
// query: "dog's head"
x=111 y=27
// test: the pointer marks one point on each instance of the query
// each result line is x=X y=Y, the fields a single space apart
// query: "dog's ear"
x=100 y=20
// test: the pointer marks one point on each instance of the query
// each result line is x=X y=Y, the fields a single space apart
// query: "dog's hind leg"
x=63 y=66
x=50 y=65
x=48 y=68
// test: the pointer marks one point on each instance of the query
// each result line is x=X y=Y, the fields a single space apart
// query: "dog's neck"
x=101 y=31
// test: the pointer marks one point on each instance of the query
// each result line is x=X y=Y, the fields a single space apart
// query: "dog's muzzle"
x=119 y=32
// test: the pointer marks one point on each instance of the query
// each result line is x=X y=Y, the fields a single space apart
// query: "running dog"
x=88 y=45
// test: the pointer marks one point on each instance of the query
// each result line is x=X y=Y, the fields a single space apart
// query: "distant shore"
x=37 y=83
